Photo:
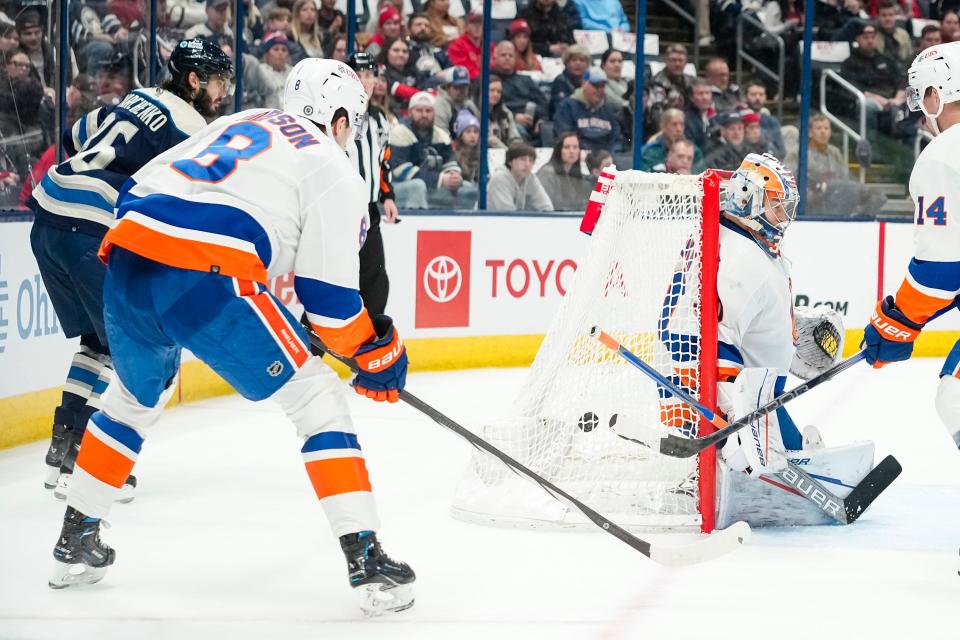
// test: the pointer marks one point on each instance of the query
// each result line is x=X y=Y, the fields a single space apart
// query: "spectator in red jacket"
x=465 y=50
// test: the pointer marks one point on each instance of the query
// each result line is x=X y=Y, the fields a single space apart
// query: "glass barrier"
x=561 y=101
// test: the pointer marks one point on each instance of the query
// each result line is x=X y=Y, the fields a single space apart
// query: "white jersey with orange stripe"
x=255 y=195
x=933 y=275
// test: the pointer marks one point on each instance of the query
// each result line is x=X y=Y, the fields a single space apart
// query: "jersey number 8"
x=216 y=163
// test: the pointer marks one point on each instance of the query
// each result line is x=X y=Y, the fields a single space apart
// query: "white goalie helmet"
x=316 y=88
x=937 y=67
x=762 y=194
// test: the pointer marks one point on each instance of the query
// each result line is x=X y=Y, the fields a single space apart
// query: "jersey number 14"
x=935 y=212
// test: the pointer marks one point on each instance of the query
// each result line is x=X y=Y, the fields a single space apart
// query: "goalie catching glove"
x=819 y=341
x=755 y=449
x=889 y=336
x=382 y=363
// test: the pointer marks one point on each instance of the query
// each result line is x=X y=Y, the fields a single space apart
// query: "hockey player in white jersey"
x=201 y=229
x=932 y=282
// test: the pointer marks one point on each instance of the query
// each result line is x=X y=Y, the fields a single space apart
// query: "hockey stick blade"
x=678 y=447
x=875 y=482
x=713 y=546
x=718 y=543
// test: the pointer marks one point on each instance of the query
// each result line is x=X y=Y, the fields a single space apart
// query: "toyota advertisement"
x=479 y=276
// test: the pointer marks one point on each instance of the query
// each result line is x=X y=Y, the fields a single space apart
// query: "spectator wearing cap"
x=550 y=30
x=38 y=49
x=215 y=24
x=263 y=79
x=699 y=112
x=388 y=29
x=587 y=113
x=453 y=98
x=465 y=50
x=306 y=30
x=427 y=58
x=654 y=153
x=520 y=93
x=728 y=152
x=514 y=186
x=466 y=146
x=114 y=78
x=726 y=95
x=576 y=60
x=424 y=168
x=519 y=34
x=330 y=19
x=892 y=39
x=444 y=28
x=753 y=139
x=503 y=128
x=562 y=176
x=877 y=75
x=755 y=95
x=602 y=15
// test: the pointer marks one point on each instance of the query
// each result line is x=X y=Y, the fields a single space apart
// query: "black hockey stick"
x=679 y=447
x=713 y=546
x=843 y=510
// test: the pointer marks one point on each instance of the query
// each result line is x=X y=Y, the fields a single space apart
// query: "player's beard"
x=203 y=103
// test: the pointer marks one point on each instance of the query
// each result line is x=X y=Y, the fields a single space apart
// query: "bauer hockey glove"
x=889 y=336
x=382 y=363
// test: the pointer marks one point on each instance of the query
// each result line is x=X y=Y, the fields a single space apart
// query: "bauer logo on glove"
x=382 y=363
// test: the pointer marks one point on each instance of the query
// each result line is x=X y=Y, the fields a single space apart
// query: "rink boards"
x=466 y=291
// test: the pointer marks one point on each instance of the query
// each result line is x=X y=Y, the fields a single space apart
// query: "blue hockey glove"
x=382 y=363
x=889 y=336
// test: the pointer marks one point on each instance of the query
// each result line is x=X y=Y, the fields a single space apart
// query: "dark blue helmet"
x=202 y=56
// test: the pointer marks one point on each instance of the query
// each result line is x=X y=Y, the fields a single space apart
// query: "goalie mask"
x=935 y=69
x=762 y=195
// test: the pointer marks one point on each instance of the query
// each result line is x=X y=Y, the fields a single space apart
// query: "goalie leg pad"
x=756 y=448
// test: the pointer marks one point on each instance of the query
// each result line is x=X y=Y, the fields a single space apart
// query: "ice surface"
x=225 y=538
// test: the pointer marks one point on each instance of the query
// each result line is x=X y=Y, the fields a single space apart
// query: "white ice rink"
x=226 y=540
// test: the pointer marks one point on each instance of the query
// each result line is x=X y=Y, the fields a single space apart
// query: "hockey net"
x=586 y=419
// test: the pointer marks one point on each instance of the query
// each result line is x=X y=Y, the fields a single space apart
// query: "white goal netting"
x=587 y=420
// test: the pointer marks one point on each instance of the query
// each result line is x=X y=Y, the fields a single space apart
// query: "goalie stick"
x=843 y=510
x=713 y=546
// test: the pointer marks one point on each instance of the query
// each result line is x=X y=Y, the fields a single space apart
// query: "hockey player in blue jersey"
x=74 y=207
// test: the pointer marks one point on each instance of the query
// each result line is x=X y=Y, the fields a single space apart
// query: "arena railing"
x=848 y=132
x=743 y=54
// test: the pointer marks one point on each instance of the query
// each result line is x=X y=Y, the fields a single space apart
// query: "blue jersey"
x=107 y=146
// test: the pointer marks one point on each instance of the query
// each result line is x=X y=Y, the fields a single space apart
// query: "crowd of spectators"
x=548 y=89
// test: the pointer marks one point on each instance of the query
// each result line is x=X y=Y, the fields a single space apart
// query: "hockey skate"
x=80 y=557
x=59 y=443
x=384 y=585
x=127 y=491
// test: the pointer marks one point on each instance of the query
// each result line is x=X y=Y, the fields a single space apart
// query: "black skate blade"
x=875 y=482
